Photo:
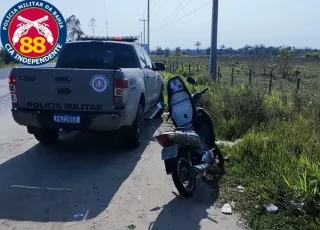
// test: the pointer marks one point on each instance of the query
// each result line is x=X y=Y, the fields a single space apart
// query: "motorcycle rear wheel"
x=183 y=175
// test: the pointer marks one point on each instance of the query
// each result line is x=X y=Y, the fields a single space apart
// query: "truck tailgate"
x=64 y=89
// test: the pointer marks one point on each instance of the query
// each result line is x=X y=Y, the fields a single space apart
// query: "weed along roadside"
x=277 y=163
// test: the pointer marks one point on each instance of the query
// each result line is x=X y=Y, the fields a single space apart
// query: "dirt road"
x=88 y=181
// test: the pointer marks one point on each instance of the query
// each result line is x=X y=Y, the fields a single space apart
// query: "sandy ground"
x=87 y=181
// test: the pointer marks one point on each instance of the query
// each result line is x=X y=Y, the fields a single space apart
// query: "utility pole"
x=107 y=28
x=106 y=17
x=144 y=30
x=92 y=25
x=214 y=38
x=148 y=26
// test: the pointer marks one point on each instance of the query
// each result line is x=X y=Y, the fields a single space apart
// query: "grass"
x=277 y=164
x=278 y=160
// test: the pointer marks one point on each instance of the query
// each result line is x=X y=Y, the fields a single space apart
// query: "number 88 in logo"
x=29 y=45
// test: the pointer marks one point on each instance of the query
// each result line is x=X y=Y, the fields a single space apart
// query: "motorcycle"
x=189 y=150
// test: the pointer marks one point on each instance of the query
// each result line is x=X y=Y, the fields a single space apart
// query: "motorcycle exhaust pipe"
x=200 y=169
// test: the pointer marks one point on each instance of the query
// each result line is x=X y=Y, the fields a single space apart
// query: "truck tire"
x=46 y=137
x=135 y=133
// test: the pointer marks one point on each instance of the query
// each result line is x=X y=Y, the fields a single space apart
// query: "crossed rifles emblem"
x=99 y=84
x=26 y=24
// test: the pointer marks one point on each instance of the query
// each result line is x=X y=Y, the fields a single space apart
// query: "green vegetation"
x=286 y=73
x=315 y=55
x=278 y=160
x=245 y=51
x=5 y=59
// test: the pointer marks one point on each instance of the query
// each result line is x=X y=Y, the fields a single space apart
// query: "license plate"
x=75 y=119
x=169 y=152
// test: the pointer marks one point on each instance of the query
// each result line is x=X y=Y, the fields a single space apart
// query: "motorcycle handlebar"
x=196 y=96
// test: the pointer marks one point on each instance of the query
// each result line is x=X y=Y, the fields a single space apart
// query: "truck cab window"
x=142 y=59
x=97 y=55
x=147 y=58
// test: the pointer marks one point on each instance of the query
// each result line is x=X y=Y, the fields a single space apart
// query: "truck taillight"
x=121 y=89
x=12 y=89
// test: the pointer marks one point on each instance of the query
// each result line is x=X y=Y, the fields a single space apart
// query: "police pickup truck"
x=98 y=83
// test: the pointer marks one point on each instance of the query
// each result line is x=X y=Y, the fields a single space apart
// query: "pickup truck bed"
x=63 y=89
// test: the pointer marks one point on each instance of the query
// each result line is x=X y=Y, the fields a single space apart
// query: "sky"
x=270 y=22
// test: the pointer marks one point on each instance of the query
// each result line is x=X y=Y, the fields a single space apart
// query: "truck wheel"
x=46 y=137
x=135 y=133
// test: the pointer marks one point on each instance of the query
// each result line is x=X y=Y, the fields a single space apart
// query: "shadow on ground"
x=181 y=213
x=90 y=168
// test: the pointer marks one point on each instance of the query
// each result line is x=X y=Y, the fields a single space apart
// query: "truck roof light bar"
x=104 y=38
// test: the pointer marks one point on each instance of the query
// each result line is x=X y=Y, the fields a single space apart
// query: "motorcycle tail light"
x=164 y=140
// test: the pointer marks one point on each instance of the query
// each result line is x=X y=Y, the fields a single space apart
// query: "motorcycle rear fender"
x=170 y=165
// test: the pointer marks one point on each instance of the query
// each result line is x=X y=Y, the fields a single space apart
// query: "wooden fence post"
x=170 y=67
x=270 y=83
x=298 y=84
x=189 y=70
x=197 y=67
x=250 y=76
x=232 y=73
x=182 y=67
x=219 y=73
x=173 y=69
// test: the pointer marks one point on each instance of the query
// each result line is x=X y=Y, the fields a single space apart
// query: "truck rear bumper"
x=88 y=121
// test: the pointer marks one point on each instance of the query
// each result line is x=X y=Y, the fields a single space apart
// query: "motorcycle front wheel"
x=184 y=182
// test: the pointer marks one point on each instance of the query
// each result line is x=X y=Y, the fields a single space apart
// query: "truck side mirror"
x=159 y=66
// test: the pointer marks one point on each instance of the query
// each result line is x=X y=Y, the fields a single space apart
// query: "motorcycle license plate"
x=169 y=152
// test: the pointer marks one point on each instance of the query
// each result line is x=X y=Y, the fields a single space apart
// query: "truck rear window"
x=97 y=55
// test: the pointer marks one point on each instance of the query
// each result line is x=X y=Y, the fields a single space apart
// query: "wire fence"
x=235 y=75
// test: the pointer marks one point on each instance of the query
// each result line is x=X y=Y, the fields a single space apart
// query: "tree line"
x=247 y=50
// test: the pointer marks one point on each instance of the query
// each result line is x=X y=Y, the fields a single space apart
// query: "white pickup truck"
x=98 y=83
